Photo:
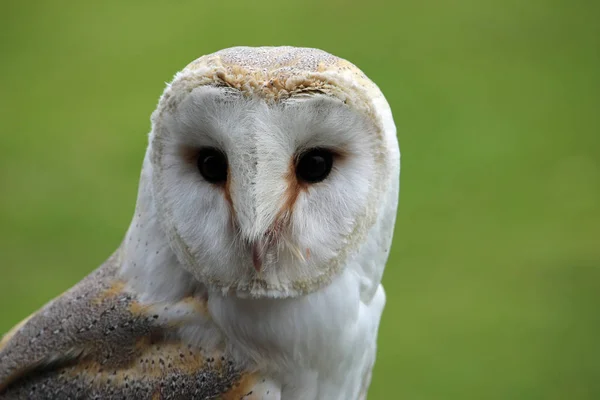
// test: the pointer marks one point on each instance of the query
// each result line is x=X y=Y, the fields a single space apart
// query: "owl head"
x=270 y=169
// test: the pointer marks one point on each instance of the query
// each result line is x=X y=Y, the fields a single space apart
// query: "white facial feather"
x=262 y=142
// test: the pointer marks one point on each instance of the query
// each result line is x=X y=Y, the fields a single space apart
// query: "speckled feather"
x=97 y=341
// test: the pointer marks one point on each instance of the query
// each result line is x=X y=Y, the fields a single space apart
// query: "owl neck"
x=318 y=346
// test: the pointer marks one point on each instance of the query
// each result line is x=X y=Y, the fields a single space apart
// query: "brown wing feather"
x=96 y=341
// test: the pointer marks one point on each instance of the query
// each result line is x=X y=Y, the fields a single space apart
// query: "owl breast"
x=320 y=347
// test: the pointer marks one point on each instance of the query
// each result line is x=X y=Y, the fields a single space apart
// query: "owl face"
x=260 y=195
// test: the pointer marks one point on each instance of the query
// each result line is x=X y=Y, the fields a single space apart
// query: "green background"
x=493 y=283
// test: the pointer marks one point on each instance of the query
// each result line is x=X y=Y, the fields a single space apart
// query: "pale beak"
x=259 y=248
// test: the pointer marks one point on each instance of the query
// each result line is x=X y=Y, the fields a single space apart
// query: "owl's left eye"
x=212 y=165
x=314 y=165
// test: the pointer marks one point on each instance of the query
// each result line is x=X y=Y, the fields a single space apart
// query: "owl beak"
x=261 y=245
x=257 y=255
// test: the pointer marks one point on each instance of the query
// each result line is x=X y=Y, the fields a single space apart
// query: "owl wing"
x=97 y=341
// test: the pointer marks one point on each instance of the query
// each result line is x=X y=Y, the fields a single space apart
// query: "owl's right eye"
x=212 y=165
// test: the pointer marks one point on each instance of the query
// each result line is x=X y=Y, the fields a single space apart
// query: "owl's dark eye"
x=212 y=164
x=314 y=165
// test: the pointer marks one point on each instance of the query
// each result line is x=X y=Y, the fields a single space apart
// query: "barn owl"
x=252 y=266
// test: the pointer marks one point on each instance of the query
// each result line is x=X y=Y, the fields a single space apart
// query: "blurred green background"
x=494 y=279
